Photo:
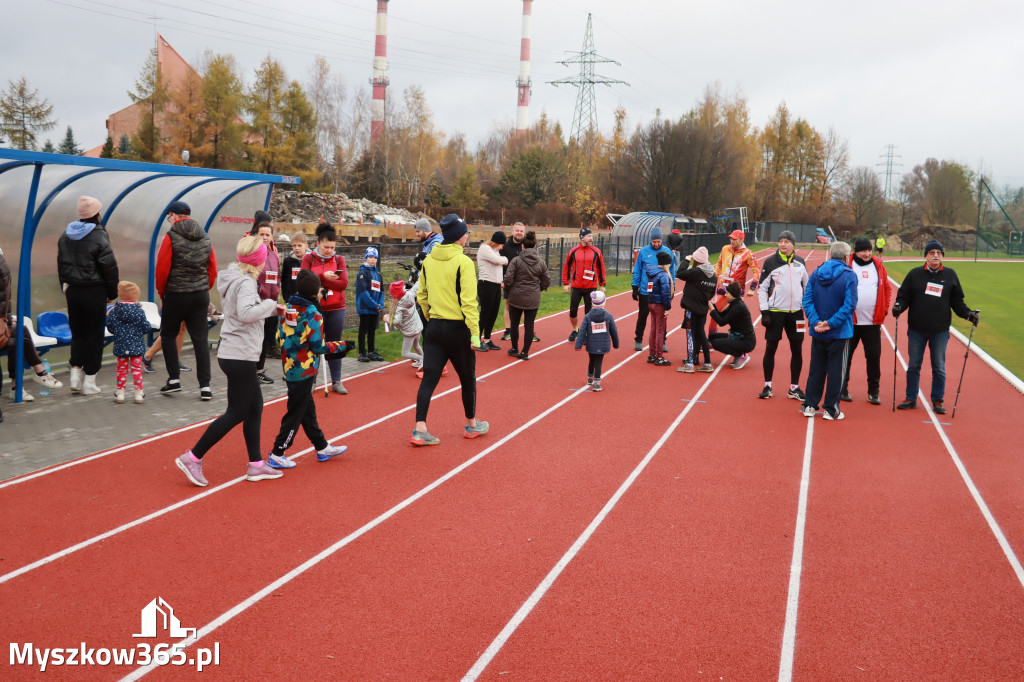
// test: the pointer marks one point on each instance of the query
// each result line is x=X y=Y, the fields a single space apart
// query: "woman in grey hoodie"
x=241 y=341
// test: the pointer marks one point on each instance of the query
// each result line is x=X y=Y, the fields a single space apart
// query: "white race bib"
x=271 y=277
x=588 y=274
x=599 y=327
x=374 y=285
x=295 y=274
x=933 y=289
x=801 y=326
x=650 y=287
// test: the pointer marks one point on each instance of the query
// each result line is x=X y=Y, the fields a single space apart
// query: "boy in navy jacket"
x=599 y=334
x=369 y=305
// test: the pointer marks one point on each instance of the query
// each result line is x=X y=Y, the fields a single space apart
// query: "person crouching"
x=740 y=340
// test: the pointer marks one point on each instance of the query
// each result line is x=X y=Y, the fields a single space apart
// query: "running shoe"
x=808 y=410
x=264 y=379
x=597 y=385
x=740 y=362
x=662 y=362
x=419 y=374
x=834 y=417
x=363 y=357
x=572 y=335
x=147 y=366
x=192 y=469
x=205 y=393
x=638 y=346
x=524 y=355
x=845 y=397
x=119 y=396
x=183 y=367
x=536 y=339
x=513 y=352
x=330 y=451
x=907 y=405
x=339 y=388
x=765 y=393
x=259 y=471
x=140 y=396
x=506 y=336
x=280 y=462
x=423 y=438
x=938 y=407
x=492 y=345
x=687 y=368
x=170 y=387
x=873 y=399
x=482 y=348
x=651 y=359
x=796 y=394
x=590 y=379
x=706 y=368
x=480 y=429
x=376 y=357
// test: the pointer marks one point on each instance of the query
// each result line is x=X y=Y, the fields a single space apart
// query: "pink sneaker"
x=193 y=470
x=257 y=471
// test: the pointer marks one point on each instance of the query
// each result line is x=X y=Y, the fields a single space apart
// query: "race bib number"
x=271 y=277
x=801 y=326
x=650 y=287
x=295 y=274
x=588 y=275
x=933 y=289
x=865 y=274
x=599 y=327
x=375 y=285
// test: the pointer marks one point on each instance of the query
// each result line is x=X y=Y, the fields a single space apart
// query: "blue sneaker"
x=478 y=430
x=330 y=451
x=279 y=462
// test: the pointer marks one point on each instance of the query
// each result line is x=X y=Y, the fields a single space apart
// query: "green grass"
x=996 y=289
x=551 y=301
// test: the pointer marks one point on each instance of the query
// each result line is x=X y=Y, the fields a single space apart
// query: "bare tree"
x=864 y=197
x=23 y=115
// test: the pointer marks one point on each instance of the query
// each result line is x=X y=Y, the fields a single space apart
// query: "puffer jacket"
x=699 y=287
x=186 y=262
x=600 y=342
x=128 y=323
x=241 y=332
x=406 y=319
x=84 y=258
x=527 y=276
x=831 y=296
x=648 y=255
x=661 y=289
x=782 y=283
x=303 y=344
x=369 y=291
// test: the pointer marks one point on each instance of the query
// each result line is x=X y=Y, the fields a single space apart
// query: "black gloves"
x=636 y=293
x=766 y=318
x=897 y=310
x=973 y=318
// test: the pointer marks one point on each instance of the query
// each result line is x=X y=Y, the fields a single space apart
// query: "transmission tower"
x=584 y=120
x=890 y=163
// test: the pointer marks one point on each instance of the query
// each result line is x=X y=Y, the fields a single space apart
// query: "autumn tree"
x=327 y=97
x=466 y=192
x=185 y=124
x=792 y=155
x=222 y=104
x=416 y=143
x=298 y=125
x=863 y=197
x=151 y=92
x=940 y=193
x=533 y=176
x=264 y=100
x=24 y=115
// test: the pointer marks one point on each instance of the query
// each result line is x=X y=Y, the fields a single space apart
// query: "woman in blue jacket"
x=369 y=305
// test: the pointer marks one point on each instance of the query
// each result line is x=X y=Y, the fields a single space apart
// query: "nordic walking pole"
x=895 y=359
x=970 y=338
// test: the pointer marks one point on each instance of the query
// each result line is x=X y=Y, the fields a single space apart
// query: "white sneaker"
x=25 y=395
x=339 y=388
x=834 y=417
x=89 y=386
x=809 y=411
x=47 y=380
x=140 y=396
x=119 y=396
x=77 y=376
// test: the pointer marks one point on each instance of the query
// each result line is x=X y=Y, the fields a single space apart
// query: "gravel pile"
x=309 y=207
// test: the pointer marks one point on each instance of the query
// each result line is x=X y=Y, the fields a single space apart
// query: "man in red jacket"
x=582 y=273
x=873 y=295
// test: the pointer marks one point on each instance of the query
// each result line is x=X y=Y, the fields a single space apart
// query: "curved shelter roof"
x=38 y=198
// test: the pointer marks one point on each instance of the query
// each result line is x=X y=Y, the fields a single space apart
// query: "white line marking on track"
x=993 y=525
x=348 y=539
x=195 y=498
x=796 y=566
x=550 y=578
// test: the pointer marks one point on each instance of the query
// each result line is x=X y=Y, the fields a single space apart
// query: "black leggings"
x=269 y=340
x=446 y=340
x=245 y=407
x=368 y=333
x=191 y=308
x=697 y=342
x=301 y=411
x=723 y=343
x=87 y=317
x=577 y=295
x=489 y=294
x=528 y=316
x=594 y=368
x=796 y=358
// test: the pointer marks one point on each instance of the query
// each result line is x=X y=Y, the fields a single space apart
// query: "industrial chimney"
x=380 y=72
x=523 y=85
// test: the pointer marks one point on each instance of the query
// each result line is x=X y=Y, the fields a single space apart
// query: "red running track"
x=646 y=532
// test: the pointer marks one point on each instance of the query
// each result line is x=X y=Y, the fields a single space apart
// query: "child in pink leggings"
x=127 y=322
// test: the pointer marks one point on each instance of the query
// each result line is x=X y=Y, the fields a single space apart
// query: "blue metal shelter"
x=38 y=198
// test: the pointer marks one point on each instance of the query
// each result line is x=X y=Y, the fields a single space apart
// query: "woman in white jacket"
x=241 y=341
x=489 y=262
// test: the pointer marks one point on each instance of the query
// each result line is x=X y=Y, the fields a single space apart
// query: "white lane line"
x=993 y=525
x=348 y=539
x=195 y=498
x=166 y=434
x=550 y=578
x=796 y=566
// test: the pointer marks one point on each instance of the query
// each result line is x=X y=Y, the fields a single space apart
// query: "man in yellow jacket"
x=447 y=297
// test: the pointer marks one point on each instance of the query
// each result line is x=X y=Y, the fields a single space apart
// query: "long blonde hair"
x=246 y=245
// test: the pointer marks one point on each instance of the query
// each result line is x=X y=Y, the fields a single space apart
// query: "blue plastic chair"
x=54 y=324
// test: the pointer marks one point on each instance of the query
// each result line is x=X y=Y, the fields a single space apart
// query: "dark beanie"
x=788 y=236
x=862 y=244
x=734 y=289
x=498 y=237
x=664 y=258
x=307 y=284
x=452 y=228
x=934 y=244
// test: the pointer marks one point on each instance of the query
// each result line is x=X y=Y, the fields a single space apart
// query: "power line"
x=890 y=163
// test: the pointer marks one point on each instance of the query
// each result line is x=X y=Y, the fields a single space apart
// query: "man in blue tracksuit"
x=648 y=255
x=829 y=301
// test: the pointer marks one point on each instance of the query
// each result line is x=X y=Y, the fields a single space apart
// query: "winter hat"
x=700 y=256
x=371 y=252
x=423 y=225
x=397 y=289
x=584 y=231
x=128 y=291
x=498 y=237
x=737 y=234
x=179 y=208
x=664 y=258
x=262 y=217
x=785 y=234
x=862 y=244
x=453 y=228
x=598 y=298
x=656 y=234
x=88 y=207
x=307 y=284
x=934 y=244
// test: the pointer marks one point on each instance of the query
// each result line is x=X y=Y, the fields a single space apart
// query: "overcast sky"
x=937 y=79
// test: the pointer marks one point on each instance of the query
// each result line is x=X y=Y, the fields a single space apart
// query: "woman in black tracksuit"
x=740 y=340
x=698 y=290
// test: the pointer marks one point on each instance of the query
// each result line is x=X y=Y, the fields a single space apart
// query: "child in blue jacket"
x=369 y=305
x=659 y=302
x=599 y=334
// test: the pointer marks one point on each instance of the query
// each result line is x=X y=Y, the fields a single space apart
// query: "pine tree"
x=108 y=149
x=264 y=102
x=49 y=148
x=23 y=115
x=124 y=149
x=151 y=91
x=69 y=145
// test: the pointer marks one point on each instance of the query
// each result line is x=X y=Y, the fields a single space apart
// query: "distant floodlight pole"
x=380 y=72
x=524 y=85
x=584 y=120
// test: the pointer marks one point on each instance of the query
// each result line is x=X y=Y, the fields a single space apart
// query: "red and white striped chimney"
x=380 y=72
x=523 y=85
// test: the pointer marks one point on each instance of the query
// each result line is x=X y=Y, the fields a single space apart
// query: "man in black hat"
x=582 y=273
x=931 y=293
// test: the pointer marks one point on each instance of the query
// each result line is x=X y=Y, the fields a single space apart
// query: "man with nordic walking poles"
x=931 y=293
